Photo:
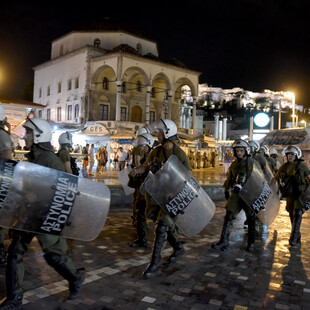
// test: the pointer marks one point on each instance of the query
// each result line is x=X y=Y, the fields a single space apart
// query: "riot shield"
x=6 y=176
x=258 y=195
x=48 y=201
x=179 y=194
x=123 y=178
x=142 y=187
x=304 y=198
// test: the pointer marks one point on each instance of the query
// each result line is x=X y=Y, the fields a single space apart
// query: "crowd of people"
x=249 y=157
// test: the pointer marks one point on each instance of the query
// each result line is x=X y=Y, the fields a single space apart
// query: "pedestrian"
x=91 y=158
x=122 y=156
x=115 y=159
x=77 y=149
x=213 y=156
x=238 y=172
x=37 y=139
x=85 y=158
x=165 y=228
x=198 y=159
x=6 y=152
x=146 y=142
x=293 y=178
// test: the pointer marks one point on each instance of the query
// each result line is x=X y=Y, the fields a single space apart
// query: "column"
x=147 y=104
x=216 y=126
x=181 y=117
x=220 y=130
x=194 y=113
x=169 y=103
x=118 y=101
x=224 y=128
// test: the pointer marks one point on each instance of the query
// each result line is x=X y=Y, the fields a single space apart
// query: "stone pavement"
x=275 y=276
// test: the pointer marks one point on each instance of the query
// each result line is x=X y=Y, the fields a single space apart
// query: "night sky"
x=251 y=44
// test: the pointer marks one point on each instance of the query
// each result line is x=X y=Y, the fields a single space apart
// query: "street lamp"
x=304 y=123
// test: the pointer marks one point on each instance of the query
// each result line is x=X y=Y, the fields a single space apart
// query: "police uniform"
x=5 y=145
x=238 y=167
x=64 y=155
x=165 y=228
x=137 y=199
x=261 y=160
x=54 y=247
x=294 y=175
x=139 y=207
x=238 y=172
x=292 y=178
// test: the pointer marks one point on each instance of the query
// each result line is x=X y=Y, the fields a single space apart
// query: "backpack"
x=74 y=167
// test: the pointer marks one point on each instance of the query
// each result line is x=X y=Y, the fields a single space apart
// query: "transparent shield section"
x=45 y=200
x=258 y=195
x=179 y=194
x=123 y=178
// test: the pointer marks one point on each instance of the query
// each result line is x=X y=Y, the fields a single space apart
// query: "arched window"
x=153 y=93
x=139 y=86
x=69 y=84
x=124 y=87
x=105 y=83
x=77 y=82
x=97 y=43
x=48 y=90
x=76 y=111
x=40 y=92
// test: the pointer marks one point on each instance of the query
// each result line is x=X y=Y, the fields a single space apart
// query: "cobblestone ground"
x=275 y=276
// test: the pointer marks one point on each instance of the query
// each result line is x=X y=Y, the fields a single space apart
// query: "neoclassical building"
x=111 y=81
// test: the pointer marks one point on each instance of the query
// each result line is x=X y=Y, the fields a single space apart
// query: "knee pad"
x=161 y=228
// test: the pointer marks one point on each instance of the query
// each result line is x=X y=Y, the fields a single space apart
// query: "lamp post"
x=292 y=95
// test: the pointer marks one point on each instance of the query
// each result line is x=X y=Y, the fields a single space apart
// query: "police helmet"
x=254 y=145
x=65 y=138
x=273 y=152
x=241 y=143
x=42 y=130
x=293 y=149
x=265 y=149
x=143 y=130
x=146 y=139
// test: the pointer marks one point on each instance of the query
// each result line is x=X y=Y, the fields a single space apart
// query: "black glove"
x=227 y=195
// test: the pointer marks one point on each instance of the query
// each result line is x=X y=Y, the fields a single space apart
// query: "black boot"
x=2 y=255
x=75 y=278
x=139 y=243
x=251 y=233
x=160 y=239
x=223 y=244
x=178 y=248
x=12 y=302
x=295 y=235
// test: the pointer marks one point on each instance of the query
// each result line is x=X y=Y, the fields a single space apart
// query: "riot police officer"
x=65 y=141
x=264 y=151
x=6 y=152
x=165 y=228
x=37 y=139
x=254 y=147
x=237 y=174
x=293 y=178
x=137 y=153
x=146 y=142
